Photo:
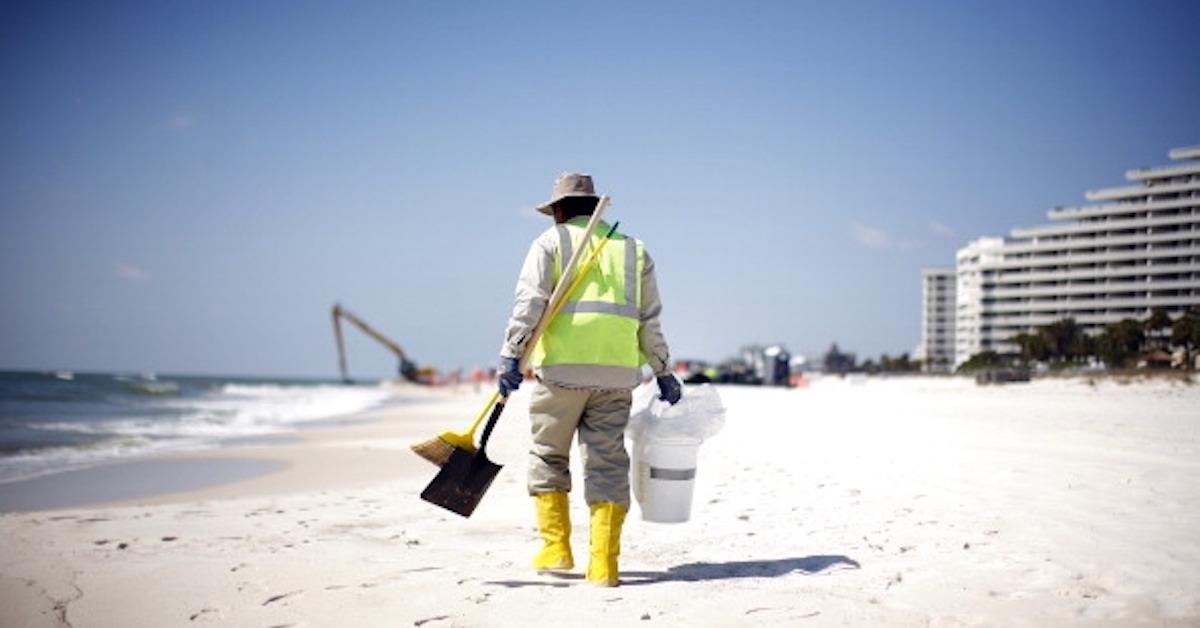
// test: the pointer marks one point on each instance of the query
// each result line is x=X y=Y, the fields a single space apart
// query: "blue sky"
x=189 y=186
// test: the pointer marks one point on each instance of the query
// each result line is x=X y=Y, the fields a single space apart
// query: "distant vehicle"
x=776 y=369
x=758 y=366
x=731 y=371
x=407 y=368
x=695 y=371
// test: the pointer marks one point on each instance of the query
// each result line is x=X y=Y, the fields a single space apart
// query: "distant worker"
x=586 y=364
x=476 y=378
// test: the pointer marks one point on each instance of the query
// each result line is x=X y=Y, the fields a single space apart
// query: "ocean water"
x=57 y=421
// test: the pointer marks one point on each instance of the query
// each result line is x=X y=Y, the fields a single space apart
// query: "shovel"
x=464 y=478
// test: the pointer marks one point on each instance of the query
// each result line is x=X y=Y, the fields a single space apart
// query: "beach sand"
x=910 y=502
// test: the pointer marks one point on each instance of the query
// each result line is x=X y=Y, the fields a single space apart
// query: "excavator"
x=408 y=369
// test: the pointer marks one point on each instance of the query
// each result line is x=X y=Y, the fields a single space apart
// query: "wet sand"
x=128 y=481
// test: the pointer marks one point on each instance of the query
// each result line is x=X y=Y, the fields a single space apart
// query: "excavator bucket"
x=408 y=370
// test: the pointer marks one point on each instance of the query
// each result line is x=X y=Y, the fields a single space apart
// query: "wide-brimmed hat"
x=569 y=184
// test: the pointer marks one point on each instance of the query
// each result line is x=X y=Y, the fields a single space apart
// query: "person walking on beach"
x=586 y=364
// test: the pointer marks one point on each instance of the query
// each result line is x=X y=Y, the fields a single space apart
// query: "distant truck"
x=757 y=366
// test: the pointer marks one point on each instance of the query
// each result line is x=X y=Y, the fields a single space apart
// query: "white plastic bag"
x=698 y=415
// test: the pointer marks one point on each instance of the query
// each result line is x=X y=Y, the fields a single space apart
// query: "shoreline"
x=57 y=424
x=315 y=455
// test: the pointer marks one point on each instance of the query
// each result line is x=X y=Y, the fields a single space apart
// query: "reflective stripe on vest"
x=599 y=323
x=600 y=307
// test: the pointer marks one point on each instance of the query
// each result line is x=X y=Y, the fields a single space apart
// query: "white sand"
x=905 y=502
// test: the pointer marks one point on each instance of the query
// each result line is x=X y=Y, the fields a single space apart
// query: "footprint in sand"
x=206 y=614
x=281 y=596
x=1084 y=590
x=894 y=580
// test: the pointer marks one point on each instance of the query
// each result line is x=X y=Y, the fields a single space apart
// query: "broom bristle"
x=435 y=450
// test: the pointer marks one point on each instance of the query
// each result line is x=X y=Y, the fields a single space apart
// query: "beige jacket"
x=534 y=287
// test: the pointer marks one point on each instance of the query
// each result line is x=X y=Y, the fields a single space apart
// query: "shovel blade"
x=461 y=483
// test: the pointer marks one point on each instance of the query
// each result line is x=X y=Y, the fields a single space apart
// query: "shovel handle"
x=491 y=424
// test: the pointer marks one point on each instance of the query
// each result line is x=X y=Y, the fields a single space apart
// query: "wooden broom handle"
x=560 y=292
x=564 y=282
x=496 y=402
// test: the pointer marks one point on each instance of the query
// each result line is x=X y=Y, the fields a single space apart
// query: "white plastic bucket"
x=664 y=478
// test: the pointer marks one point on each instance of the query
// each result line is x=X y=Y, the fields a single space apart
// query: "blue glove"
x=668 y=389
x=510 y=376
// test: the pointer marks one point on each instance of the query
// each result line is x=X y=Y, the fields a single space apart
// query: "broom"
x=438 y=450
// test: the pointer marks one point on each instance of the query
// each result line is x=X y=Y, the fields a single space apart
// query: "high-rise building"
x=937 y=319
x=1136 y=249
x=970 y=264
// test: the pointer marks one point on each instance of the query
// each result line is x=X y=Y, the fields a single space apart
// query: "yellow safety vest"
x=598 y=325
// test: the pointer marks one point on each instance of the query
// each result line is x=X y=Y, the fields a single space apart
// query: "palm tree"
x=1066 y=340
x=1033 y=346
x=1186 y=333
x=1119 y=342
x=1157 y=327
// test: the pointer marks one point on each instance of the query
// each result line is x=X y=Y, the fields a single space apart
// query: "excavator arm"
x=408 y=369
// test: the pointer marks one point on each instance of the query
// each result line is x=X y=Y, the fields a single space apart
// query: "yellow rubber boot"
x=554 y=523
x=607 y=519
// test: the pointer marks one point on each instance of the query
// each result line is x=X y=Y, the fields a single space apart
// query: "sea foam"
x=162 y=421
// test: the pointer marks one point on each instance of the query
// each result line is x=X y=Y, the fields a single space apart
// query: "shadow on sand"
x=557 y=581
x=697 y=572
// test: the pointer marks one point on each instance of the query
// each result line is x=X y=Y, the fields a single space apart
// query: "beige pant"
x=599 y=416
